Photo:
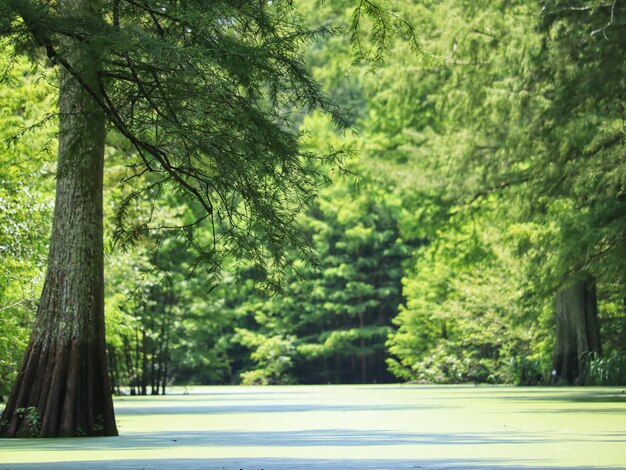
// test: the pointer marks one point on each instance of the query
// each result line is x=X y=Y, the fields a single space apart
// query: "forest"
x=440 y=203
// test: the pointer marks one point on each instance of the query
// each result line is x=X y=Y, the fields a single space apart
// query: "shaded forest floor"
x=343 y=427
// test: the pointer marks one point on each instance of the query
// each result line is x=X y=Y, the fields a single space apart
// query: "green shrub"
x=527 y=371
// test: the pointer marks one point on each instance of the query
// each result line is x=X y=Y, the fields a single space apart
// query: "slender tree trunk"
x=363 y=365
x=129 y=365
x=163 y=339
x=362 y=346
x=353 y=372
x=137 y=361
x=113 y=370
x=165 y=372
x=63 y=383
x=162 y=359
x=144 y=361
x=577 y=329
x=116 y=369
x=156 y=373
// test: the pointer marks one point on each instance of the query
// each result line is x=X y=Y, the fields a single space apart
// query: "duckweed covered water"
x=401 y=426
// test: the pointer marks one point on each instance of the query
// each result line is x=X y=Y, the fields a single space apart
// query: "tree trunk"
x=144 y=361
x=63 y=387
x=114 y=370
x=128 y=358
x=577 y=330
x=362 y=346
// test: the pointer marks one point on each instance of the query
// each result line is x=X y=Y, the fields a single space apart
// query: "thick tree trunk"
x=63 y=387
x=577 y=330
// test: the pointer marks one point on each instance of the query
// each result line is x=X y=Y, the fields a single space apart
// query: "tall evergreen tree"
x=63 y=377
x=200 y=91
x=331 y=323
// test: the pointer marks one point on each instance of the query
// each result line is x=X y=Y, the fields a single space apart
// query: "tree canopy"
x=292 y=197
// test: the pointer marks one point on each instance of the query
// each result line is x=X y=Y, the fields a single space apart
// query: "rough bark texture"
x=577 y=330
x=63 y=387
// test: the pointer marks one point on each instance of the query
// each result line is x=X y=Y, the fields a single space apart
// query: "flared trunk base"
x=61 y=391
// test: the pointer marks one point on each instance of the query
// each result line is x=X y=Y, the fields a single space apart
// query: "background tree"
x=579 y=70
x=499 y=121
x=330 y=324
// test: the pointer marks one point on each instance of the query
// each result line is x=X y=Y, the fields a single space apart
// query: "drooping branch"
x=206 y=96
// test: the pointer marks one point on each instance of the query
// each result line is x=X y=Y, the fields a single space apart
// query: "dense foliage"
x=27 y=104
x=489 y=180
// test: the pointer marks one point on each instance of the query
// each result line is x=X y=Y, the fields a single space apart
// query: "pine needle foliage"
x=206 y=93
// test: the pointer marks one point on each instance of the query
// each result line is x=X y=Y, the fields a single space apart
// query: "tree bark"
x=63 y=387
x=577 y=330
